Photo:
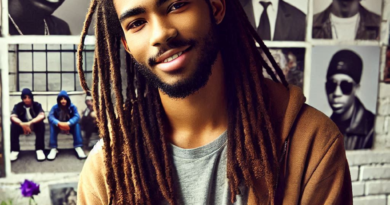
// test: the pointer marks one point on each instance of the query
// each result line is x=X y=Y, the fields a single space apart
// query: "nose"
x=162 y=32
x=338 y=91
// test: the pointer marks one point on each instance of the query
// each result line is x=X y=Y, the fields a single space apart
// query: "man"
x=349 y=114
x=64 y=118
x=280 y=22
x=88 y=120
x=34 y=17
x=27 y=117
x=346 y=20
x=200 y=124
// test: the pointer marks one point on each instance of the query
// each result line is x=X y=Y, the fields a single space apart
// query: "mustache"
x=171 y=45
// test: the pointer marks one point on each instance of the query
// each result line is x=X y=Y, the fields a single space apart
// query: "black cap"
x=28 y=92
x=346 y=62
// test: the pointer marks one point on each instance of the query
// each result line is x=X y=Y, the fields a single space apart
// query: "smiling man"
x=199 y=123
x=349 y=114
x=34 y=17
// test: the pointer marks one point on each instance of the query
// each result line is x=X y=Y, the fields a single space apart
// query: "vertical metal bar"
x=32 y=67
x=60 y=67
x=74 y=67
x=17 y=68
x=47 y=73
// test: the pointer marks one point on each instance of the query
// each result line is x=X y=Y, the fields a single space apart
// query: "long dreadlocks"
x=136 y=154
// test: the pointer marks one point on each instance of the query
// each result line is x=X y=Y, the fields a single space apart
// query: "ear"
x=124 y=42
x=219 y=8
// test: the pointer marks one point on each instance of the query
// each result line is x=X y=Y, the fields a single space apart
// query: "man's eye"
x=177 y=6
x=136 y=24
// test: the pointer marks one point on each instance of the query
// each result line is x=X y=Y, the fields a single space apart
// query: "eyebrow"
x=138 y=10
x=132 y=12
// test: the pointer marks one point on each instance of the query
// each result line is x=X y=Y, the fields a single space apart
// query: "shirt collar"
x=274 y=3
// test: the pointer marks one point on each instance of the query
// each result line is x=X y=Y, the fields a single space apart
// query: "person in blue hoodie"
x=64 y=118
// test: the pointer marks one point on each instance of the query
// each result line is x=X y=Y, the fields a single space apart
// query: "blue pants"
x=74 y=130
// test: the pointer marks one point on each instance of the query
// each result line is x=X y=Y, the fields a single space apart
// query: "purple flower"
x=29 y=188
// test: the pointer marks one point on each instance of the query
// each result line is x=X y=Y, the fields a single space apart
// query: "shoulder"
x=37 y=104
x=370 y=16
x=292 y=10
x=92 y=184
x=60 y=26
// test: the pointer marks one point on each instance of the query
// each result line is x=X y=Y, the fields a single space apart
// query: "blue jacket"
x=56 y=109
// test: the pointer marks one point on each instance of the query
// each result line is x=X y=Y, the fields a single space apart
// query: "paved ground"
x=66 y=161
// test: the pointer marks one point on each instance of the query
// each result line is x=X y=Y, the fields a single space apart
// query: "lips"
x=173 y=59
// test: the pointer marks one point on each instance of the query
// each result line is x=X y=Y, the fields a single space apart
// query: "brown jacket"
x=315 y=172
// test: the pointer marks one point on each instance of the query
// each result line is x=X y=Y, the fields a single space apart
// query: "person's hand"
x=93 y=114
x=64 y=126
x=26 y=127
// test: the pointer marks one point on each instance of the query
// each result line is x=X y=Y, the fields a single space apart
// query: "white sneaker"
x=14 y=155
x=52 y=155
x=40 y=155
x=80 y=153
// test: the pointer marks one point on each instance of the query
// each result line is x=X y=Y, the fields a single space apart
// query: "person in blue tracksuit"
x=64 y=118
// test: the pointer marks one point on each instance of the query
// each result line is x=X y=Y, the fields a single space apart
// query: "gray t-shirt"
x=200 y=174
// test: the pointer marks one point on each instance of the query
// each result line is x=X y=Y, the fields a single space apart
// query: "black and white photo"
x=344 y=85
x=63 y=194
x=47 y=17
x=347 y=19
x=284 y=20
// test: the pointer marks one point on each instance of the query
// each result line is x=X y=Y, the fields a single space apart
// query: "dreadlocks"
x=136 y=154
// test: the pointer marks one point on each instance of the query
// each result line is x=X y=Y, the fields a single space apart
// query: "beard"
x=208 y=50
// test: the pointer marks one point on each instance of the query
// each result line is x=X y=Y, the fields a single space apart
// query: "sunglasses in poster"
x=345 y=86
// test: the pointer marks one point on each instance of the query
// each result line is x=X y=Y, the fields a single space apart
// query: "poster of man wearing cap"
x=347 y=19
x=344 y=85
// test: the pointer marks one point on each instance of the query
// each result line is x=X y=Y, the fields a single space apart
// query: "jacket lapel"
x=283 y=25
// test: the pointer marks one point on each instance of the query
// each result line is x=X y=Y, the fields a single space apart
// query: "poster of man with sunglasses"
x=347 y=90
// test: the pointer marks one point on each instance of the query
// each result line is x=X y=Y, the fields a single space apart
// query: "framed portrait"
x=278 y=20
x=344 y=85
x=47 y=17
x=47 y=75
x=63 y=194
x=347 y=20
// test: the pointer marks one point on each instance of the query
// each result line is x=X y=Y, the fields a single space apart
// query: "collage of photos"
x=330 y=49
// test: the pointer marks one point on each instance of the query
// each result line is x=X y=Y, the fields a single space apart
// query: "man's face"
x=346 y=6
x=341 y=90
x=63 y=101
x=89 y=103
x=48 y=6
x=27 y=100
x=174 y=42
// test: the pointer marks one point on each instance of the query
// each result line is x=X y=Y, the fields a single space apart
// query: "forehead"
x=340 y=77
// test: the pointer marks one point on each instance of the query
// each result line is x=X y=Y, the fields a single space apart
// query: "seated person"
x=27 y=116
x=88 y=120
x=64 y=117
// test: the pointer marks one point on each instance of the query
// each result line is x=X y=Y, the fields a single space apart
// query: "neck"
x=353 y=10
x=201 y=117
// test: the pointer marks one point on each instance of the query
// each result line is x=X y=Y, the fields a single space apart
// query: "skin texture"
x=152 y=32
x=342 y=104
x=345 y=8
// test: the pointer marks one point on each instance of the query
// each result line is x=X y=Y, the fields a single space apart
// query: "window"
x=47 y=67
